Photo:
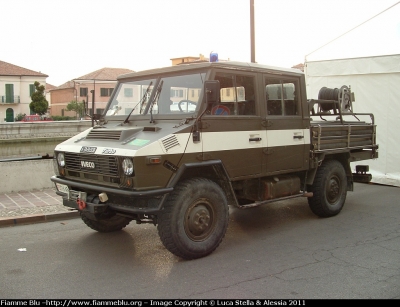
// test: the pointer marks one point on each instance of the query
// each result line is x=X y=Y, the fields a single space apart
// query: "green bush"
x=19 y=117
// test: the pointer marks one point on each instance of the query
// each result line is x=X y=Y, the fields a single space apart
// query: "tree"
x=78 y=107
x=39 y=104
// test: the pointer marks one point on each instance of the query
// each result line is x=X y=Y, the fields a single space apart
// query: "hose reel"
x=333 y=98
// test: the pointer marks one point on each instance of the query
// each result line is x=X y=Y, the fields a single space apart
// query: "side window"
x=128 y=92
x=237 y=95
x=83 y=91
x=281 y=97
x=106 y=92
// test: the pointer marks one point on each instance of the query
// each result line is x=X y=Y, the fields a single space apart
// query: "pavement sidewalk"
x=27 y=207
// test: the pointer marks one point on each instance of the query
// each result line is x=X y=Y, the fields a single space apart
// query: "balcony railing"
x=9 y=99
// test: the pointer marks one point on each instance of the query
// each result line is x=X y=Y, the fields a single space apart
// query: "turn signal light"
x=153 y=160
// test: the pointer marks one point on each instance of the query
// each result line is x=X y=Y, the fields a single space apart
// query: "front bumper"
x=96 y=207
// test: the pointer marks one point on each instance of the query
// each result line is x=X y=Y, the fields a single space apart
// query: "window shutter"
x=32 y=89
x=9 y=92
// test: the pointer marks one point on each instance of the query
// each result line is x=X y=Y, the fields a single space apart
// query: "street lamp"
x=76 y=91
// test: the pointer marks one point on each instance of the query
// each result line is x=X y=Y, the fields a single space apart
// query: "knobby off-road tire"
x=329 y=189
x=114 y=223
x=194 y=219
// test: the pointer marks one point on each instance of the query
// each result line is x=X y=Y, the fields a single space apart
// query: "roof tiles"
x=7 y=69
x=105 y=74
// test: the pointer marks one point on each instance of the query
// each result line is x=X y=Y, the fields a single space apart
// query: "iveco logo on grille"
x=87 y=164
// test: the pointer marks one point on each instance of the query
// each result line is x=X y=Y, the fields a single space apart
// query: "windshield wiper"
x=141 y=101
x=155 y=98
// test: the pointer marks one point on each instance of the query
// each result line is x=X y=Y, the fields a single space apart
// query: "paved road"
x=276 y=251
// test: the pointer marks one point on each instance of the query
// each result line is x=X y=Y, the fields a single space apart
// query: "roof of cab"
x=225 y=64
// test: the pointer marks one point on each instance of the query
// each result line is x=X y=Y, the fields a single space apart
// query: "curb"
x=37 y=218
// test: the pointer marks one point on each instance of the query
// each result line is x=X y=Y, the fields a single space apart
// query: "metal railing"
x=10 y=99
x=325 y=137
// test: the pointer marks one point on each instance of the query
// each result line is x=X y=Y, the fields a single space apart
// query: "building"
x=16 y=88
x=299 y=66
x=101 y=82
x=188 y=59
x=47 y=90
x=194 y=59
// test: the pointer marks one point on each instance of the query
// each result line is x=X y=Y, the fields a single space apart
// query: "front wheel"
x=114 y=223
x=194 y=219
x=329 y=189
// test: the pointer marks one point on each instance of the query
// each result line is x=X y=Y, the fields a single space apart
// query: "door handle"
x=298 y=136
x=254 y=139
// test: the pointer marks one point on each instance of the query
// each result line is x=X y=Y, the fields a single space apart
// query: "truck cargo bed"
x=331 y=135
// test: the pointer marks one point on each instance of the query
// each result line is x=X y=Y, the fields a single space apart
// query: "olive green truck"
x=177 y=146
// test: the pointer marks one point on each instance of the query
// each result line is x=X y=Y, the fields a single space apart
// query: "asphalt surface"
x=276 y=251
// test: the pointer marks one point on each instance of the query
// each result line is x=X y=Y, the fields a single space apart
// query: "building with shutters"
x=16 y=88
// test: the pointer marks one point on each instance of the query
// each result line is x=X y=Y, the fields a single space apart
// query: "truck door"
x=284 y=125
x=231 y=130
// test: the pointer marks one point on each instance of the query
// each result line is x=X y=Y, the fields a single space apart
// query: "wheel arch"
x=343 y=158
x=213 y=170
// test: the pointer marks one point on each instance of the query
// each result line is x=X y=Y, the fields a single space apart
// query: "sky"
x=68 y=39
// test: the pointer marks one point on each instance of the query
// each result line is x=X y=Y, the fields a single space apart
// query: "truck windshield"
x=178 y=94
x=131 y=95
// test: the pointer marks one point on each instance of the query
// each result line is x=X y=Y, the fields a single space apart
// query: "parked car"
x=35 y=118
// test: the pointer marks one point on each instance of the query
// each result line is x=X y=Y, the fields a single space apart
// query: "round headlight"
x=61 y=159
x=127 y=166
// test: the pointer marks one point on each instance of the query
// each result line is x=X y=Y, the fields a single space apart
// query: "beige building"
x=101 y=82
x=188 y=59
x=16 y=88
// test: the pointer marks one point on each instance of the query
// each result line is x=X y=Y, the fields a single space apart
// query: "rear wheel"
x=194 y=219
x=329 y=189
x=114 y=223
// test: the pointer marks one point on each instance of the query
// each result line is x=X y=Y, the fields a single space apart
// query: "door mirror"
x=212 y=91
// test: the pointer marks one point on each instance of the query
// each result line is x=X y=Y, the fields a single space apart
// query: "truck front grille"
x=89 y=163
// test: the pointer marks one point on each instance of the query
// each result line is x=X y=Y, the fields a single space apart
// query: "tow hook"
x=81 y=204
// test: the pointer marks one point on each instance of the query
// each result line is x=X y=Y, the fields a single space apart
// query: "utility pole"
x=92 y=91
x=252 y=36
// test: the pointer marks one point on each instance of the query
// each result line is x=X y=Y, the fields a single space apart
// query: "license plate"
x=62 y=188
x=75 y=195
